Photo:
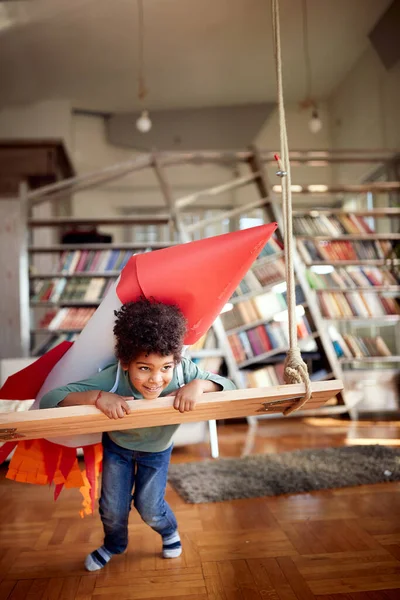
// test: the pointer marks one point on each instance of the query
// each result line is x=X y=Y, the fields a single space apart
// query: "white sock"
x=172 y=547
x=97 y=559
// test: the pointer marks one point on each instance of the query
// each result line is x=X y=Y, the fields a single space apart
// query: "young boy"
x=149 y=340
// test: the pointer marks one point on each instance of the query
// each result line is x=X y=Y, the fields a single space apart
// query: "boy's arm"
x=77 y=398
x=87 y=387
x=89 y=392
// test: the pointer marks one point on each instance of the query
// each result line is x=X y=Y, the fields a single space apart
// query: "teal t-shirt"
x=147 y=439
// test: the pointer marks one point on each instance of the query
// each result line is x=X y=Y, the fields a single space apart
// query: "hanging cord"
x=142 y=91
x=295 y=369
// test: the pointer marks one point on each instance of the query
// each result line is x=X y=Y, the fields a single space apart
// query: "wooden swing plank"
x=77 y=420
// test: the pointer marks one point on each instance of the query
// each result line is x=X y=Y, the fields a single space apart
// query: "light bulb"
x=315 y=123
x=144 y=123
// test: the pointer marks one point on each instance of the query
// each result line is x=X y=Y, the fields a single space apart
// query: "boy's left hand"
x=187 y=396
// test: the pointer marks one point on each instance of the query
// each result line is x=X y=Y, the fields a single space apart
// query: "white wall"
x=141 y=190
x=47 y=119
x=365 y=112
x=92 y=152
x=299 y=138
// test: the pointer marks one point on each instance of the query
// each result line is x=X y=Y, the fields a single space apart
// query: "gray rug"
x=285 y=473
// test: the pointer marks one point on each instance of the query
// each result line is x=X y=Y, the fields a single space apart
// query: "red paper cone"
x=26 y=383
x=199 y=277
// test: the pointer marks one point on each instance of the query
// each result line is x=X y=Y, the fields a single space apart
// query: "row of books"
x=352 y=277
x=260 y=276
x=93 y=261
x=271 y=247
x=66 y=318
x=264 y=306
x=265 y=338
x=352 y=346
x=76 y=289
x=356 y=304
x=331 y=225
x=265 y=377
x=312 y=251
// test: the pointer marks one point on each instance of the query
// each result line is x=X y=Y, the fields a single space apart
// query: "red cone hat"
x=199 y=277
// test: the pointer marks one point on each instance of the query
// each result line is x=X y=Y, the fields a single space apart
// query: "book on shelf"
x=356 y=304
x=61 y=290
x=66 y=318
x=347 y=345
x=347 y=250
x=266 y=338
x=330 y=225
x=93 y=261
x=266 y=377
x=261 y=275
x=273 y=246
x=352 y=277
x=265 y=306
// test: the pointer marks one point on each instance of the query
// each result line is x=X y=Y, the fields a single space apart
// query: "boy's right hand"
x=112 y=405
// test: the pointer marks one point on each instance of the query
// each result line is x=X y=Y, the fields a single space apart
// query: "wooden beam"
x=227 y=214
x=67 y=421
x=215 y=190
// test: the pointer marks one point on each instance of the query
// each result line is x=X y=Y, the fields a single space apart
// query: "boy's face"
x=151 y=373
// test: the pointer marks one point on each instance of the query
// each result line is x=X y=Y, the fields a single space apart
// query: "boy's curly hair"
x=148 y=326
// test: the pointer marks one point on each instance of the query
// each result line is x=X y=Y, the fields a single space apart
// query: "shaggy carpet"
x=284 y=473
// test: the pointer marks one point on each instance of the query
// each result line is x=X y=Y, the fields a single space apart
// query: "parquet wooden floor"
x=332 y=545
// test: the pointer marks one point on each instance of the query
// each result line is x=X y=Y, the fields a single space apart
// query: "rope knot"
x=296 y=371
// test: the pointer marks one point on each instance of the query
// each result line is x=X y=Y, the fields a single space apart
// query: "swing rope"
x=295 y=369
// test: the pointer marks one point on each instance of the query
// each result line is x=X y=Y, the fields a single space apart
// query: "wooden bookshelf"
x=57 y=248
x=391 y=289
x=374 y=212
x=348 y=263
x=263 y=290
x=45 y=331
x=382 y=319
x=276 y=352
x=79 y=263
x=79 y=274
x=94 y=221
x=255 y=324
x=351 y=283
x=62 y=303
x=351 y=237
x=311 y=335
x=370 y=359
x=270 y=258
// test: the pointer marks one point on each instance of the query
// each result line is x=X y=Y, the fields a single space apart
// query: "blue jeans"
x=145 y=471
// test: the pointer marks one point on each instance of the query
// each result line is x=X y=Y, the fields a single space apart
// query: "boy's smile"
x=151 y=374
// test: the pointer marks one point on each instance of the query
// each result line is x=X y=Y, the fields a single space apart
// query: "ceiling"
x=197 y=53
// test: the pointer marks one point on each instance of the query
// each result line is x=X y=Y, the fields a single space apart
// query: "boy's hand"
x=112 y=405
x=187 y=396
